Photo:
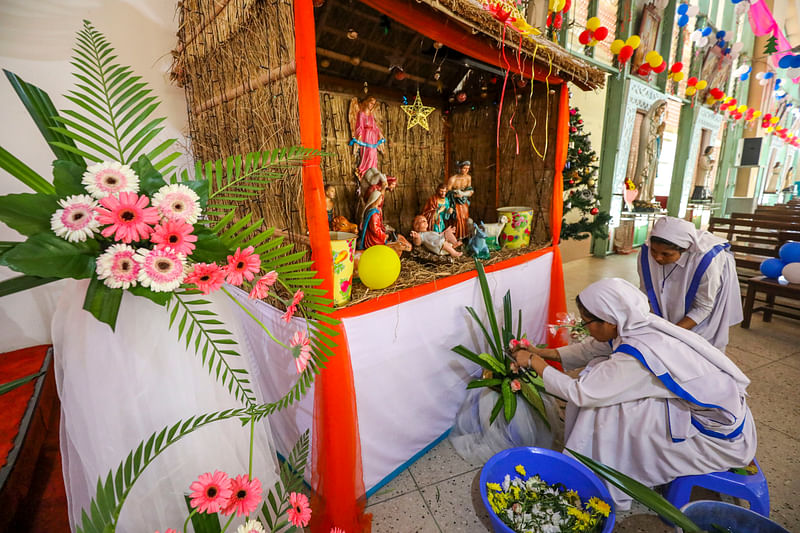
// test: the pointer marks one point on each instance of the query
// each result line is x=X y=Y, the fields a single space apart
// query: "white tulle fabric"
x=476 y=439
x=118 y=388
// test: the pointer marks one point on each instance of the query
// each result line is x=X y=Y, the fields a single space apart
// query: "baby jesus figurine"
x=438 y=243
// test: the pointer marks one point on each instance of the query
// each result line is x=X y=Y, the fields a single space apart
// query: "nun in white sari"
x=655 y=401
x=689 y=277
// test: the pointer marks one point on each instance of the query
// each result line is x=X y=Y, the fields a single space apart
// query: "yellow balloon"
x=593 y=42
x=379 y=267
x=756 y=114
x=769 y=129
x=593 y=23
x=551 y=5
x=710 y=100
x=702 y=84
x=678 y=76
x=742 y=108
x=633 y=41
x=560 y=4
x=774 y=120
x=656 y=61
x=616 y=46
x=690 y=91
x=650 y=56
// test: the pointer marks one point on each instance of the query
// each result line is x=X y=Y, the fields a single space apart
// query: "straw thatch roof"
x=545 y=52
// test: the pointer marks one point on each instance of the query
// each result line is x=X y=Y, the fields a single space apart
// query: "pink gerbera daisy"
x=243 y=264
x=261 y=288
x=292 y=308
x=109 y=179
x=77 y=220
x=301 y=350
x=177 y=202
x=161 y=270
x=174 y=234
x=128 y=216
x=300 y=511
x=245 y=496
x=207 y=277
x=211 y=492
x=117 y=267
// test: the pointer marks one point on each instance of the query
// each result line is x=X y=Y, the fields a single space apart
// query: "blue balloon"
x=683 y=8
x=772 y=267
x=785 y=61
x=744 y=76
x=790 y=252
x=706 y=31
x=735 y=1
x=727 y=51
x=796 y=61
x=768 y=75
x=683 y=20
x=721 y=34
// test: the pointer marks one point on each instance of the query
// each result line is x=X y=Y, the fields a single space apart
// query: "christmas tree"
x=580 y=187
x=771 y=46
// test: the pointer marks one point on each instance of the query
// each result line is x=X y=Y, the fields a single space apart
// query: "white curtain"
x=118 y=388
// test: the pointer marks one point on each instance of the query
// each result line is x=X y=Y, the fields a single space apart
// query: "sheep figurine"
x=476 y=246
x=493 y=231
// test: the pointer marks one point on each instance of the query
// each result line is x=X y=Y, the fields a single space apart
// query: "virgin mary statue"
x=650 y=139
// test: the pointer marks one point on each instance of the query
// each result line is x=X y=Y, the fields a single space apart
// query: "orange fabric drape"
x=451 y=33
x=337 y=479
x=558 y=299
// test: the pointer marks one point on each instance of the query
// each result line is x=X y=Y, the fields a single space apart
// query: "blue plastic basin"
x=726 y=515
x=552 y=467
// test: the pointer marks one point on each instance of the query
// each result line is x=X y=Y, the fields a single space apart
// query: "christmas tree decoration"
x=582 y=215
x=417 y=113
x=772 y=45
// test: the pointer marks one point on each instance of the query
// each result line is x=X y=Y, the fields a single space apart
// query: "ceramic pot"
x=517 y=232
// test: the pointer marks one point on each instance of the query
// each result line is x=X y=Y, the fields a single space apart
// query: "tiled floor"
x=439 y=493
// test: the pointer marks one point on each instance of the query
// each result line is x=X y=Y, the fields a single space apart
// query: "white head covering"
x=666 y=347
x=373 y=197
x=684 y=234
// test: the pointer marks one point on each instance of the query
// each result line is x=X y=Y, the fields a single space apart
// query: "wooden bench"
x=752 y=239
x=771 y=288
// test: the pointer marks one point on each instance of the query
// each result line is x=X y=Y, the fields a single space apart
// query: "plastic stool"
x=752 y=488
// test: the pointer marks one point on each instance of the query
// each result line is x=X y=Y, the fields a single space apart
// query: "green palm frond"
x=238 y=179
x=105 y=508
x=200 y=327
x=292 y=474
x=115 y=117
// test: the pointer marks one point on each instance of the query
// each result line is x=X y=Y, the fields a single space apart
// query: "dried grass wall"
x=415 y=157
x=227 y=53
x=525 y=179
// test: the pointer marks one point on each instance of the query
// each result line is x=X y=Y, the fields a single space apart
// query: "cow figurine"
x=476 y=246
x=342 y=224
x=493 y=231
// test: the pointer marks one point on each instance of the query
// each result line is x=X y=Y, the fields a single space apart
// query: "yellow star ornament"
x=417 y=113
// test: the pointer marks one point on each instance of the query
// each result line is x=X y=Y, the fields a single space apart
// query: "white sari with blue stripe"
x=656 y=403
x=701 y=285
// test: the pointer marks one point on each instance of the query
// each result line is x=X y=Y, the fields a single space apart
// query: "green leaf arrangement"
x=498 y=361
x=114 y=121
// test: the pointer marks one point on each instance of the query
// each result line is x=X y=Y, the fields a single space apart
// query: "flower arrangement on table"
x=629 y=185
x=500 y=370
x=528 y=504
x=118 y=214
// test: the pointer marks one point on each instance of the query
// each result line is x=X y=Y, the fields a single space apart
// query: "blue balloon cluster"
x=790 y=61
x=769 y=75
x=683 y=18
x=746 y=75
x=789 y=253
x=706 y=31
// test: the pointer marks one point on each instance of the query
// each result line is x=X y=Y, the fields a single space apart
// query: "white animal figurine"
x=493 y=231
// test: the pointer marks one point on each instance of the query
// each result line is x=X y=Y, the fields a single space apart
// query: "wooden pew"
x=753 y=239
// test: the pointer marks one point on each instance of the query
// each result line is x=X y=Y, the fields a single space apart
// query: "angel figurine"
x=367 y=137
